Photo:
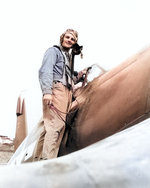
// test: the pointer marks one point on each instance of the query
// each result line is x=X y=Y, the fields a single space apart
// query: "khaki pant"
x=54 y=127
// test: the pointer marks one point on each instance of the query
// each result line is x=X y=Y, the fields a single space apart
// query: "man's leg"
x=54 y=120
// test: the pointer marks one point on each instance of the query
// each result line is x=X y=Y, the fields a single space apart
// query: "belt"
x=57 y=81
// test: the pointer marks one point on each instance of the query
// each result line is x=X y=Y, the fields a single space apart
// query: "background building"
x=6 y=149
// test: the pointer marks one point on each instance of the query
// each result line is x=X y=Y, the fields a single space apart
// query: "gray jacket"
x=52 y=69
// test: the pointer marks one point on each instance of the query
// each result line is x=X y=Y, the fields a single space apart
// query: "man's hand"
x=48 y=99
x=81 y=73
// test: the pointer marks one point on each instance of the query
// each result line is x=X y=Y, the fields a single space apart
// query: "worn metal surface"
x=121 y=160
x=110 y=102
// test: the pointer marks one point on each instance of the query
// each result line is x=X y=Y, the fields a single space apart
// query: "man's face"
x=68 y=40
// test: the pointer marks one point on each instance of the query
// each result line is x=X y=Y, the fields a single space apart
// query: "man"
x=56 y=83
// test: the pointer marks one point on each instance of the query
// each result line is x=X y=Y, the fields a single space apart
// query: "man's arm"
x=46 y=75
x=46 y=71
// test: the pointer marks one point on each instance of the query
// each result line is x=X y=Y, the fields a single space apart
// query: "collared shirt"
x=52 y=69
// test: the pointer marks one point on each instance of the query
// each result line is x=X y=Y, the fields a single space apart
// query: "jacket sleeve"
x=46 y=71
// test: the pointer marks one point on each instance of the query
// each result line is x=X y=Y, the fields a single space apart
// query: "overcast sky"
x=109 y=30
